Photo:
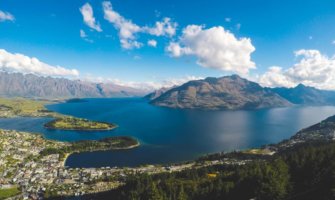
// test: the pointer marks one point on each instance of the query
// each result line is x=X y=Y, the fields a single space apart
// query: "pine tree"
x=153 y=193
x=182 y=195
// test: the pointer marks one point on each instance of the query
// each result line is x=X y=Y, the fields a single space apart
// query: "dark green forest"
x=303 y=172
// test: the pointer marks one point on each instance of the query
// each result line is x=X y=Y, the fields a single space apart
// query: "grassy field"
x=258 y=151
x=9 y=192
x=23 y=107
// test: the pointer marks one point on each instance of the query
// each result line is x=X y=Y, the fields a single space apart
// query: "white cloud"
x=176 y=50
x=6 y=16
x=87 y=12
x=82 y=34
x=177 y=81
x=152 y=43
x=275 y=77
x=128 y=30
x=20 y=63
x=163 y=28
x=214 y=48
x=313 y=69
x=130 y=44
x=147 y=85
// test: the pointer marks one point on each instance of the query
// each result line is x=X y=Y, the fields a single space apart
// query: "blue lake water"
x=171 y=135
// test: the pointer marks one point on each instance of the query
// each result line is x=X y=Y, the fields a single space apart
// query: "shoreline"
x=67 y=155
x=65 y=158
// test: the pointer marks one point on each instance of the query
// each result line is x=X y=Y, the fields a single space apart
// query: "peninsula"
x=20 y=107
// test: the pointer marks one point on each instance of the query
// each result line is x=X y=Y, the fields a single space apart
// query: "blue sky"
x=50 y=31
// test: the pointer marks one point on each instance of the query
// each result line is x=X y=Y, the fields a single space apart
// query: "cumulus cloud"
x=10 y=62
x=163 y=28
x=155 y=85
x=152 y=43
x=275 y=77
x=214 y=48
x=312 y=69
x=128 y=30
x=6 y=16
x=88 y=17
x=176 y=81
x=146 y=85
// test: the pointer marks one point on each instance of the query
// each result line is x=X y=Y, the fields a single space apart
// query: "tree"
x=274 y=181
x=153 y=193
x=182 y=195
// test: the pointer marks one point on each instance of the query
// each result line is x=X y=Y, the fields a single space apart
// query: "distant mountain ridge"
x=234 y=92
x=155 y=94
x=32 y=86
x=229 y=92
x=305 y=95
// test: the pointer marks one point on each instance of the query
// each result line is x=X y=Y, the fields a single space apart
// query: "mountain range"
x=32 y=86
x=228 y=92
x=234 y=92
x=306 y=95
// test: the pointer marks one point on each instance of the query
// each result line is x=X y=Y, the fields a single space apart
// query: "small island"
x=78 y=124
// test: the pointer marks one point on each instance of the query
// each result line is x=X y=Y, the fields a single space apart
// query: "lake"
x=171 y=135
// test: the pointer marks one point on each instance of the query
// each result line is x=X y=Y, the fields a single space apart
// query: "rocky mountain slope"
x=305 y=95
x=155 y=94
x=32 y=86
x=229 y=92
